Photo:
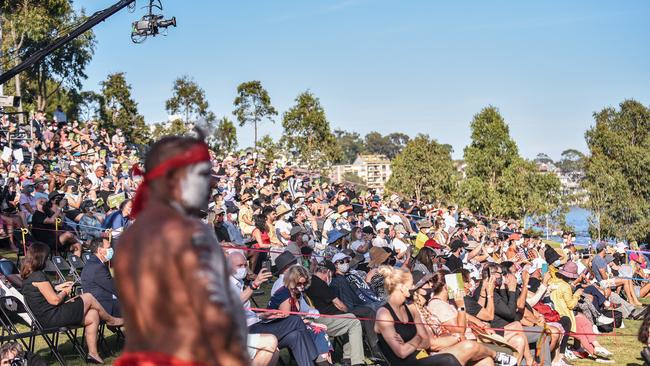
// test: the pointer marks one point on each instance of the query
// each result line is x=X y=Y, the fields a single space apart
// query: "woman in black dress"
x=49 y=305
x=398 y=325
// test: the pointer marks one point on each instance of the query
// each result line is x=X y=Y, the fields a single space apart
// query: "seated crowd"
x=356 y=276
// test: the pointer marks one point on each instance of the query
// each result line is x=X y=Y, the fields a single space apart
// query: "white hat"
x=338 y=256
x=381 y=225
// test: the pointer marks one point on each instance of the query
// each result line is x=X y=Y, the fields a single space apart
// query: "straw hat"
x=377 y=256
x=280 y=211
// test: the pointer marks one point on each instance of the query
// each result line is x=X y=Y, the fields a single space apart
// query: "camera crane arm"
x=38 y=56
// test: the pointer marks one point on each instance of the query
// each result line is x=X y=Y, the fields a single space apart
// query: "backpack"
x=618 y=321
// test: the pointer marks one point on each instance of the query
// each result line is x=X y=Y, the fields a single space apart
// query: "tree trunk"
x=255 y=127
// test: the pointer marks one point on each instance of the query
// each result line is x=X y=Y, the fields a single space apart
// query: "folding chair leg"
x=54 y=349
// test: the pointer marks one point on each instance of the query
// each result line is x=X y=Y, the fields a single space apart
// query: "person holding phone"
x=49 y=302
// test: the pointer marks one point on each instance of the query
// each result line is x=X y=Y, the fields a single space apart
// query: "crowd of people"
x=333 y=272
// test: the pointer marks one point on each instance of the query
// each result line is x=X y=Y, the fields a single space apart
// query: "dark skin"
x=177 y=301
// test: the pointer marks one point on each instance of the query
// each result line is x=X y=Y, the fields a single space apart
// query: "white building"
x=374 y=170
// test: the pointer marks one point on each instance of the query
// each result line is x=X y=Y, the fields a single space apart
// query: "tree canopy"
x=307 y=132
x=253 y=105
x=616 y=172
x=499 y=182
x=189 y=100
x=424 y=170
x=120 y=110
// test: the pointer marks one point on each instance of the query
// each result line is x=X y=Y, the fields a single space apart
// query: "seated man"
x=357 y=296
x=326 y=302
x=287 y=330
x=96 y=278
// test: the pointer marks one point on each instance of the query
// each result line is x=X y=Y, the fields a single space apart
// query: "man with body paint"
x=171 y=274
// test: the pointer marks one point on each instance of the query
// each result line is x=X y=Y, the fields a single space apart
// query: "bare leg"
x=90 y=303
x=91 y=322
x=516 y=338
x=467 y=351
x=645 y=290
x=267 y=351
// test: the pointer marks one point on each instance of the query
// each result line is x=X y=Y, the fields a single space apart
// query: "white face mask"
x=343 y=267
x=195 y=187
x=490 y=250
x=305 y=238
x=240 y=273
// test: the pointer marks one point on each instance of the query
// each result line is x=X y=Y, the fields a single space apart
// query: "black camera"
x=18 y=361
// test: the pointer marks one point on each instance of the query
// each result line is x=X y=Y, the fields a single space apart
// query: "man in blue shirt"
x=599 y=268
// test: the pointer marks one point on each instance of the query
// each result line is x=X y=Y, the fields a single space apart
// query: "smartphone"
x=544 y=268
x=267 y=265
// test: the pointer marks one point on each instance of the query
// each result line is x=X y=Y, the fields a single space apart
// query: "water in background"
x=577 y=218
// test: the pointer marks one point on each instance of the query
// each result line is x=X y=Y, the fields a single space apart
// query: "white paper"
x=18 y=154
x=6 y=154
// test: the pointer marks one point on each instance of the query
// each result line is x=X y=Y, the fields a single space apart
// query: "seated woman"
x=565 y=300
x=290 y=298
x=402 y=338
x=447 y=327
x=49 y=305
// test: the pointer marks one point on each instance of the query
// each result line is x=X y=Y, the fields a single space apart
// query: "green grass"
x=624 y=345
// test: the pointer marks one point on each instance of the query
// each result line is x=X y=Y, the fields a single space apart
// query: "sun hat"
x=281 y=210
x=377 y=256
x=284 y=260
x=337 y=257
x=570 y=270
x=333 y=236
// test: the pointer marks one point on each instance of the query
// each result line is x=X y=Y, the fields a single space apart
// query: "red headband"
x=196 y=154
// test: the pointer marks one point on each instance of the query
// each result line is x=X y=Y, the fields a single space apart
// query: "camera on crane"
x=150 y=24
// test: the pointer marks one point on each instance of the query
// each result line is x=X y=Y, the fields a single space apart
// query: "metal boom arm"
x=38 y=56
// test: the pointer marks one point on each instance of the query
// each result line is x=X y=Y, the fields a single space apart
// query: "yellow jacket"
x=564 y=299
x=420 y=239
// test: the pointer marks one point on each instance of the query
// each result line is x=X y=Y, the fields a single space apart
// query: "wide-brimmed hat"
x=570 y=270
x=422 y=224
x=284 y=260
x=281 y=211
x=343 y=208
x=337 y=257
x=378 y=256
x=420 y=279
x=333 y=236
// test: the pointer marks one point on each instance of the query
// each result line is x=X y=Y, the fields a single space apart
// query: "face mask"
x=463 y=255
x=299 y=289
x=329 y=281
x=195 y=187
x=75 y=189
x=518 y=276
x=109 y=254
x=119 y=133
x=490 y=250
x=233 y=217
x=46 y=186
x=305 y=238
x=240 y=273
x=344 y=215
x=472 y=286
x=343 y=267
x=366 y=215
x=428 y=294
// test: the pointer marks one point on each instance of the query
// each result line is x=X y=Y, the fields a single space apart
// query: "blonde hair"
x=295 y=273
x=393 y=277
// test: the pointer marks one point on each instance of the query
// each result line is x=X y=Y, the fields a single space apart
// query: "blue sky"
x=396 y=66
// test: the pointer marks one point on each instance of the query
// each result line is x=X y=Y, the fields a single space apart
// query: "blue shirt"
x=596 y=264
x=115 y=221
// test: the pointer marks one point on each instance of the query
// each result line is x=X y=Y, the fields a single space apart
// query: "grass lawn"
x=624 y=345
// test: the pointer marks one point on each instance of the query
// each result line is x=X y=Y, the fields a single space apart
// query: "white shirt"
x=380 y=242
x=399 y=245
x=282 y=226
x=237 y=287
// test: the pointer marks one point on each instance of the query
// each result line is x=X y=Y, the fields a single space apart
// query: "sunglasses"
x=301 y=283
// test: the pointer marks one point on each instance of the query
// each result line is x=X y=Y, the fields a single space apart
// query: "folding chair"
x=86 y=256
x=51 y=270
x=8 y=267
x=64 y=269
x=11 y=306
x=76 y=263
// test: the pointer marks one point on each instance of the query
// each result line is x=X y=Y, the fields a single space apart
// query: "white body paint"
x=195 y=186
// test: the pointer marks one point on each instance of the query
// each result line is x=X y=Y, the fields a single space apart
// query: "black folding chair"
x=8 y=267
x=86 y=256
x=10 y=306
x=76 y=263
x=51 y=270
x=65 y=271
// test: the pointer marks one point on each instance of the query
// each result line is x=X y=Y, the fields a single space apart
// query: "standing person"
x=200 y=321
